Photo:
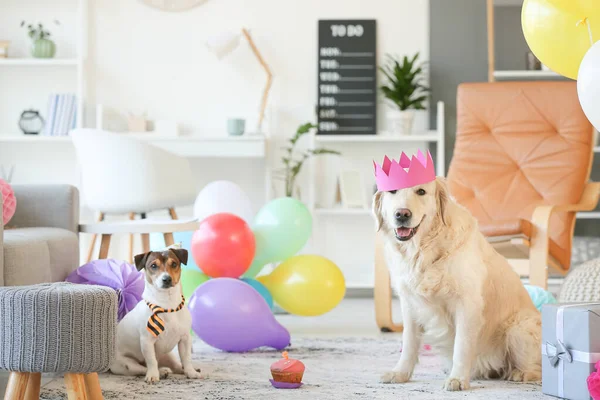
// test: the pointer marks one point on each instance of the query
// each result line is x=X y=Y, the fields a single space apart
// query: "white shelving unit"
x=392 y=144
x=384 y=138
x=493 y=73
x=77 y=63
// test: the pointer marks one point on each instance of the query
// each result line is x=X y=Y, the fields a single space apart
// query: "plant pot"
x=401 y=122
x=43 y=48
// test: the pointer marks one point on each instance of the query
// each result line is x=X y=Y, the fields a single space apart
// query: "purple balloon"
x=230 y=315
x=119 y=275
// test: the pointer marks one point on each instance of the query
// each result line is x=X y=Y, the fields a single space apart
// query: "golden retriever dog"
x=455 y=290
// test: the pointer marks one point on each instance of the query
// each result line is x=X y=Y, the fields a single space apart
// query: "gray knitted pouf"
x=582 y=284
x=58 y=327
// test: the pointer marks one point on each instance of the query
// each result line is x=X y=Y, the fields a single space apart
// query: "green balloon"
x=281 y=229
x=190 y=280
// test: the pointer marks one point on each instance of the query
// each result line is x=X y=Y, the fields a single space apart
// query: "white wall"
x=145 y=60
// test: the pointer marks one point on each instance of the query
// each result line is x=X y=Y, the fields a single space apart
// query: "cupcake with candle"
x=287 y=373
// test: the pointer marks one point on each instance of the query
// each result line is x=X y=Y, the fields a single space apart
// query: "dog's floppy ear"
x=140 y=260
x=377 y=209
x=442 y=196
x=182 y=255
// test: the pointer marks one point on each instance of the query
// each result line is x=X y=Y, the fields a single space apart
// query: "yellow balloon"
x=557 y=31
x=306 y=285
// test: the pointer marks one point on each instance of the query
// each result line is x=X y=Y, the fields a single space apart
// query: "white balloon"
x=223 y=197
x=588 y=85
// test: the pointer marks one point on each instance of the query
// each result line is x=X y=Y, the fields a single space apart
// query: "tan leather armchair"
x=521 y=165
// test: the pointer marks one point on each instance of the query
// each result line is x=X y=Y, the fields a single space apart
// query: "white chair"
x=122 y=175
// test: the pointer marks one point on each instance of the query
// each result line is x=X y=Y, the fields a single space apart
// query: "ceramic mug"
x=236 y=126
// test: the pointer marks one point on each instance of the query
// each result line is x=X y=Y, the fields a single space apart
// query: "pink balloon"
x=9 y=201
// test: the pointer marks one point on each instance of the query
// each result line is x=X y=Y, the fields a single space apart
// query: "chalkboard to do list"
x=347 y=84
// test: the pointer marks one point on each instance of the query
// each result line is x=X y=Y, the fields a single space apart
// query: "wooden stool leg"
x=17 y=385
x=93 y=242
x=172 y=213
x=104 y=245
x=75 y=387
x=92 y=384
x=131 y=217
x=33 y=386
x=383 y=291
x=169 y=240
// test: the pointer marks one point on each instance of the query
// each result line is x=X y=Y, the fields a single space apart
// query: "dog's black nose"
x=402 y=215
x=167 y=279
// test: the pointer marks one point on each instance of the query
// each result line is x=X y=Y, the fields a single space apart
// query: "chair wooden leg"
x=76 y=389
x=383 y=292
x=104 y=245
x=33 y=386
x=172 y=213
x=92 y=384
x=17 y=386
x=131 y=217
x=93 y=242
x=145 y=237
x=169 y=240
x=539 y=248
x=145 y=242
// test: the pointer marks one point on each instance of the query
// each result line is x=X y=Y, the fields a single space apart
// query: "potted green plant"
x=405 y=90
x=41 y=46
x=293 y=160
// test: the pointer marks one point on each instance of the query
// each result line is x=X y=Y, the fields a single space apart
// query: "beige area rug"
x=336 y=368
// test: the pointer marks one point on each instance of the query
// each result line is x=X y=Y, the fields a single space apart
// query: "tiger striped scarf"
x=156 y=325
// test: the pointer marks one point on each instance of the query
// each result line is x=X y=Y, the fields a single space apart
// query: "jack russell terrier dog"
x=147 y=335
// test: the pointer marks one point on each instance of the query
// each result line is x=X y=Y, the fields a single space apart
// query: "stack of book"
x=61 y=115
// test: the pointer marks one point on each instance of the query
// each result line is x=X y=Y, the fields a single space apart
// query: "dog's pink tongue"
x=403 y=232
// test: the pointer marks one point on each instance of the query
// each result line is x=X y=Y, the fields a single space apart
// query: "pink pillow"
x=9 y=201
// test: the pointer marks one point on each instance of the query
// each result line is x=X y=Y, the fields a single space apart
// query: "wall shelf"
x=33 y=139
x=40 y=62
x=588 y=215
x=252 y=146
x=525 y=74
x=429 y=136
x=342 y=211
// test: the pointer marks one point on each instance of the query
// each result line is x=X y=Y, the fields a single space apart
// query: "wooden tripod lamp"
x=225 y=44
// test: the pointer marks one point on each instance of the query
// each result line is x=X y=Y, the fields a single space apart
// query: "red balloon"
x=223 y=246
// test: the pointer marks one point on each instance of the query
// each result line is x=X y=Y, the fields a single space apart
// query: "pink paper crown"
x=393 y=176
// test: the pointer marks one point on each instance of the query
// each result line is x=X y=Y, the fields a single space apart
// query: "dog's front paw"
x=456 y=384
x=395 y=377
x=196 y=366
x=164 y=372
x=152 y=377
x=193 y=374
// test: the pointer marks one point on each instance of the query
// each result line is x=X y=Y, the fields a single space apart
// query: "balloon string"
x=589 y=27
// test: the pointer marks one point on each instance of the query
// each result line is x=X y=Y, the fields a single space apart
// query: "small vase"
x=402 y=122
x=43 y=48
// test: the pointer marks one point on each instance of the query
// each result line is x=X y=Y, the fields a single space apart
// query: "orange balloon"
x=557 y=31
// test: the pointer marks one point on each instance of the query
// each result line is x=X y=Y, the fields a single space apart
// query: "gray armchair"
x=40 y=243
